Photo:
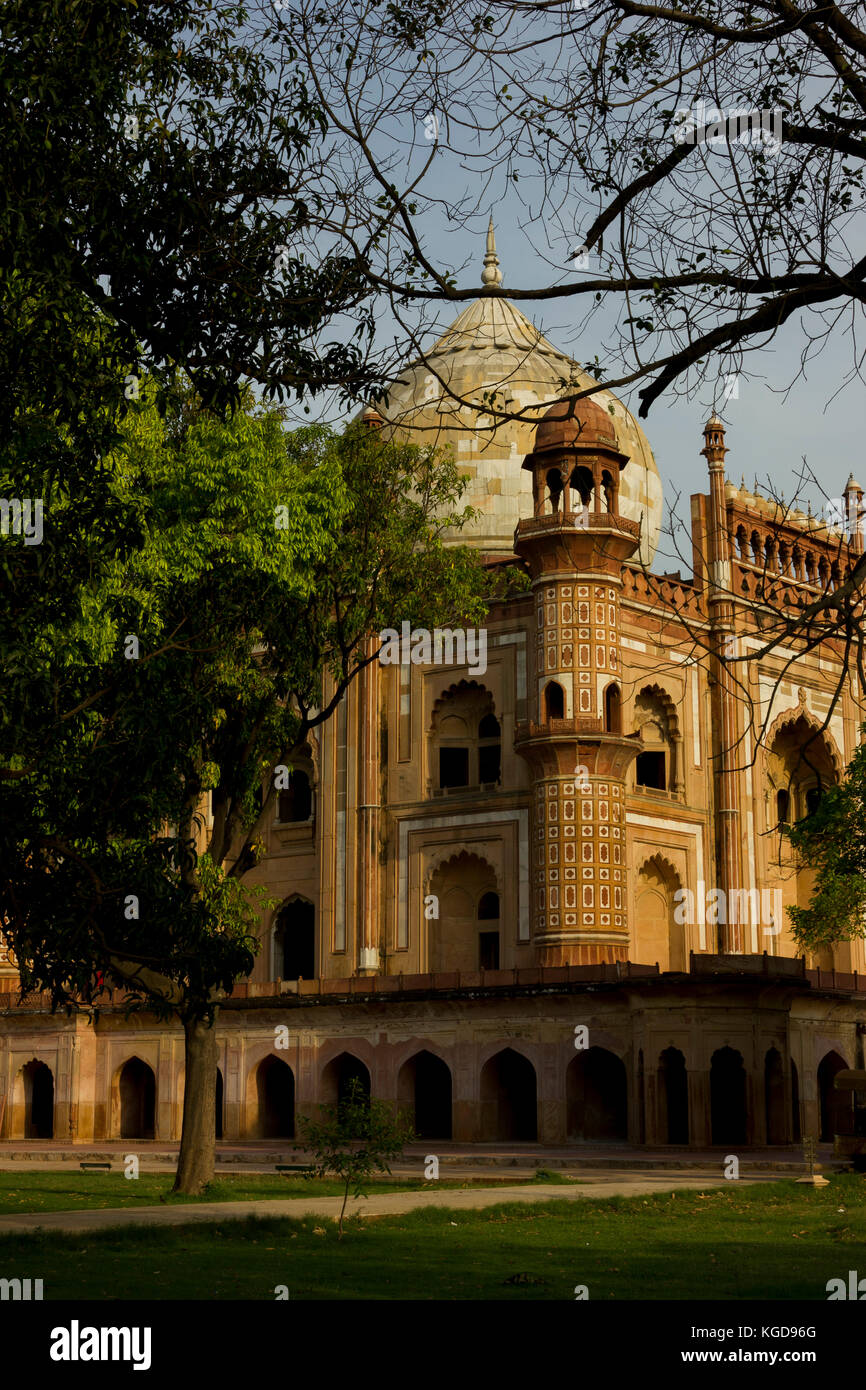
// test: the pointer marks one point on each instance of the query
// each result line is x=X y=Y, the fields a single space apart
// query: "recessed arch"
x=727 y=1097
x=613 y=708
x=658 y=937
x=275 y=1093
x=820 y=739
x=596 y=1097
x=674 y=1096
x=338 y=1075
x=424 y=1090
x=33 y=1096
x=294 y=940
x=509 y=1098
x=833 y=1102
x=465 y=740
x=137 y=1091
x=465 y=885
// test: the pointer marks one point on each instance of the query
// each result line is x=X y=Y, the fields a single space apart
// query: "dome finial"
x=491 y=274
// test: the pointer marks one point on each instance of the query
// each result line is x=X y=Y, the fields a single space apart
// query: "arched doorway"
x=424 y=1088
x=796 y=1128
x=218 y=1103
x=596 y=1097
x=338 y=1076
x=833 y=1102
x=38 y=1101
x=275 y=1085
x=774 y=1097
x=674 y=1096
x=728 y=1097
x=137 y=1100
x=509 y=1098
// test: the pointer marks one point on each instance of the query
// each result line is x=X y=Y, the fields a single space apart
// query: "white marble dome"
x=492 y=347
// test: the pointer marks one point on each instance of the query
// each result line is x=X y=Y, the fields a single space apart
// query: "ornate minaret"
x=575 y=546
x=853 y=496
x=725 y=708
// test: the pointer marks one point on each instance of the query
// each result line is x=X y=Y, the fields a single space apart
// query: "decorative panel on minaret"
x=574 y=547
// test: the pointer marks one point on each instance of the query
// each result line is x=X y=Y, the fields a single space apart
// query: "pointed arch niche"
x=470 y=915
x=659 y=765
x=657 y=936
x=465 y=744
x=801 y=761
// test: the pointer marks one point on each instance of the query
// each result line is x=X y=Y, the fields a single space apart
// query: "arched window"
x=813 y=800
x=295 y=802
x=554 y=486
x=783 y=802
x=488 y=907
x=608 y=487
x=466 y=738
x=582 y=484
x=655 y=715
x=489 y=749
x=554 y=701
x=295 y=941
x=612 y=710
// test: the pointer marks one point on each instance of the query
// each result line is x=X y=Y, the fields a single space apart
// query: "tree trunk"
x=195 y=1163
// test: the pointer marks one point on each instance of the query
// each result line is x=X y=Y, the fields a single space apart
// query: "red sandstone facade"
x=471 y=865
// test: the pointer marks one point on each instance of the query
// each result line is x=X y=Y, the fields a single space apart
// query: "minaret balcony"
x=581 y=726
x=578 y=521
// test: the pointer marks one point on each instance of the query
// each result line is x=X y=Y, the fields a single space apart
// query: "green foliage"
x=832 y=842
x=161 y=146
x=353 y=1140
x=264 y=562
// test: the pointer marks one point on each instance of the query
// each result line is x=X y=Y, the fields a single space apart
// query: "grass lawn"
x=67 y=1190
x=769 y=1241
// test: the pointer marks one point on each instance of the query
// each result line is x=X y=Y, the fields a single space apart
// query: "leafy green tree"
x=164 y=165
x=352 y=1140
x=193 y=670
x=832 y=842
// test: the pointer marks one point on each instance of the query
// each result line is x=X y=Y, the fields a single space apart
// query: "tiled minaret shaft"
x=575 y=546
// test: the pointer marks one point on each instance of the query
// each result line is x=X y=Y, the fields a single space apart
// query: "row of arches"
x=779 y=557
x=596 y=1096
x=561 y=489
